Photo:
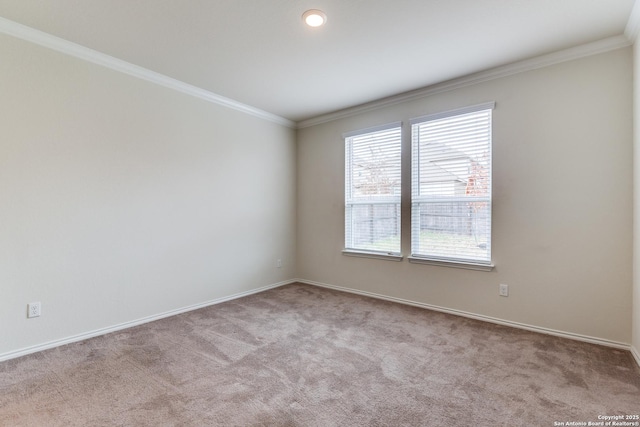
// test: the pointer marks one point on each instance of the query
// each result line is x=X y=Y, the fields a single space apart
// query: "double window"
x=450 y=188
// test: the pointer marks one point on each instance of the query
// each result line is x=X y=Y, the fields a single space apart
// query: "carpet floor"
x=305 y=356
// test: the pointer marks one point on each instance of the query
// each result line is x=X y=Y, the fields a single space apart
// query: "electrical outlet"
x=504 y=290
x=33 y=309
x=279 y=263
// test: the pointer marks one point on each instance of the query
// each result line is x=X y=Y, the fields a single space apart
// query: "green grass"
x=388 y=244
x=432 y=242
x=468 y=246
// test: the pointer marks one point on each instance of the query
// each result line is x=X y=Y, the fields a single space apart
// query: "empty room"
x=319 y=213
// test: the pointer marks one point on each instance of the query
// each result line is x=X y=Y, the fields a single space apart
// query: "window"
x=451 y=187
x=372 y=191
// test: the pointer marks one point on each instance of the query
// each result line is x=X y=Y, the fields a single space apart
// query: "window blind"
x=451 y=186
x=372 y=190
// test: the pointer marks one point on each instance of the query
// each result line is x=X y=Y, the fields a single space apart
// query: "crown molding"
x=66 y=47
x=49 y=41
x=594 y=48
x=633 y=24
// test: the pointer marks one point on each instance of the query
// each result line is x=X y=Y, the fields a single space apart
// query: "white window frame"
x=351 y=249
x=416 y=199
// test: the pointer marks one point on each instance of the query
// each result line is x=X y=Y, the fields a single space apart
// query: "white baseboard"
x=125 y=325
x=56 y=343
x=570 y=335
x=636 y=354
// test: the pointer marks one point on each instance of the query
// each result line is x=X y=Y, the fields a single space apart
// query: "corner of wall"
x=635 y=325
x=636 y=354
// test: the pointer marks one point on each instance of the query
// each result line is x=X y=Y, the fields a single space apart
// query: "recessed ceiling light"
x=314 y=18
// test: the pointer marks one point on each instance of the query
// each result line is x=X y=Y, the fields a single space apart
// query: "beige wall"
x=562 y=210
x=635 y=342
x=122 y=199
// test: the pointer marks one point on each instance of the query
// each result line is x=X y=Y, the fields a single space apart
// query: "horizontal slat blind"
x=372 y=190
x=451 y=186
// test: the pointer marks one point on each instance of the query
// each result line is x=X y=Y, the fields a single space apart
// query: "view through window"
x=372 y=193
x=451 y=186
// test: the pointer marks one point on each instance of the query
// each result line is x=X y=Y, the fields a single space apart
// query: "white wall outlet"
x=279 y=263
x=504 y=290
x=33 y=309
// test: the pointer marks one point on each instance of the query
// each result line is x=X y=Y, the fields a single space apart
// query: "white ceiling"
x=259 y=52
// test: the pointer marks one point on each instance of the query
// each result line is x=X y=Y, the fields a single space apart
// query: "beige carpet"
x=305 y=356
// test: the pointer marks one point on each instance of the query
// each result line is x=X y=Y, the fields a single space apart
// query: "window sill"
x=451 y=264
x=374 y=255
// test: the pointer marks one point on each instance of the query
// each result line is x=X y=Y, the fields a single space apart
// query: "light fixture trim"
x=314 y=18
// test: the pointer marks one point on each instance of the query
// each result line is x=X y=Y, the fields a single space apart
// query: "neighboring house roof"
x=444 y=164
